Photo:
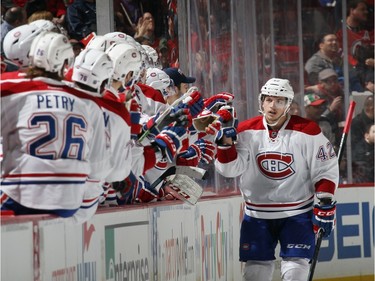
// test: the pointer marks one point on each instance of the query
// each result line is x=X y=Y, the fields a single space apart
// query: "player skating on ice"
x=284 y=162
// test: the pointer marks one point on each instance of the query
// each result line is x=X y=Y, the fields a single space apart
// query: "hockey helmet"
x=92 y=67
x=159 y=80
x=126 y=58
x=50 y=51
x=152 y=56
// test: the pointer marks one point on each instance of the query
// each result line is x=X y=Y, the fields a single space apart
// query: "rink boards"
x=173 y=241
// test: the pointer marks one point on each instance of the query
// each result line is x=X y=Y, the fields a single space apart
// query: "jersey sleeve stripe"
x=226 y=154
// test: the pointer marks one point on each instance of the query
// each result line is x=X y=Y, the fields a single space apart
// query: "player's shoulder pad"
x=255 y=123
x=303 y=125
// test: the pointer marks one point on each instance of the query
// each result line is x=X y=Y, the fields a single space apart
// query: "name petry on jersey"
x=54 y=143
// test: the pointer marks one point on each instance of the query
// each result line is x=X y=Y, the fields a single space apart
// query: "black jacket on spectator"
x=363 y=156
x=81 y=19
x=358 y=127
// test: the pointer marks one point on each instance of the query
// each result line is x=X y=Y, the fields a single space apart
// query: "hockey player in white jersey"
x=284 y=161
x=53 y=136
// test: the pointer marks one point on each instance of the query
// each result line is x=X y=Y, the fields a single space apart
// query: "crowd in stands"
x=131 y=76
x=324 y=71
x=323 y=54
x=77 y=19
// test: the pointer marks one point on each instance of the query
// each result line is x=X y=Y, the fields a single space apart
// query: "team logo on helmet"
x=275 y=166
x=17 y=34
x=153 y=74
x=134 y=55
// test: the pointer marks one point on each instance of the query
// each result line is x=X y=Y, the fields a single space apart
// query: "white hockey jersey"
x=53 y=141
x=279 y=177
x=117 y=123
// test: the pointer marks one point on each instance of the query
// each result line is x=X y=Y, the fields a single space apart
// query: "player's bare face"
x=184 y=88
x=274 y=108
x=128 y=77
x=172 y=98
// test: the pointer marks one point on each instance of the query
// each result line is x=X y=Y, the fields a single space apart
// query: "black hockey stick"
x=320 y=233
x=190 y=171
x=181 y=185
x=170 y=171
x=166 y=112
x=314 y=259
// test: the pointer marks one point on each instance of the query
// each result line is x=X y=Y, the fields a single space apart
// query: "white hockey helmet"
x=277 y=87
x=17 y=43
x=46 y=25
x=126 y=58
x=99 y=42
x=92 y=67
x=118 y=37
x=152 y=56
x=103 y=42
x=50 y=51
x=159 y=80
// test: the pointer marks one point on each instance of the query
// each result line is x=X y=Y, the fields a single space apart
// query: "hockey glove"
x=178 y=115
x=151 y=126
x=135 y=116
x=207 y=149
x=171 y=141
x=194 y=103
x=225 y=125
x=181 y=116
x=324 y=217
x=190 y=157
x=144 y=192
x=215 y=102
x=205 y=118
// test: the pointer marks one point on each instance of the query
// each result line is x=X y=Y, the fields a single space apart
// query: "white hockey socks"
x=258 y=270
x=294 y=269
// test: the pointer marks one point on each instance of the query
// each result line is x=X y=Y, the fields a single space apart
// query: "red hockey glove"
x=190 y=157
x=194 y=102
x=207 y=149
x=225 y=125
x=135 y=115
x=171 y=141
x=215 y=102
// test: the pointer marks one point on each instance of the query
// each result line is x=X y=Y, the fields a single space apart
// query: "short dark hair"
x=353 y=4
x=368 y=127
x=322 y=36
x=13 y=14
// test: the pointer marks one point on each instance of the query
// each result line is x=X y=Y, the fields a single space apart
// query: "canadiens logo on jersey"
x=274 y=165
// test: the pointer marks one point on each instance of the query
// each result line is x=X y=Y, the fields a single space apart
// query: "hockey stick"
x=169 y=172
x=320 y=233
x=167 y=111
x=345 y=133
x=127 y=16
x=190 y=171
x=314 y=260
